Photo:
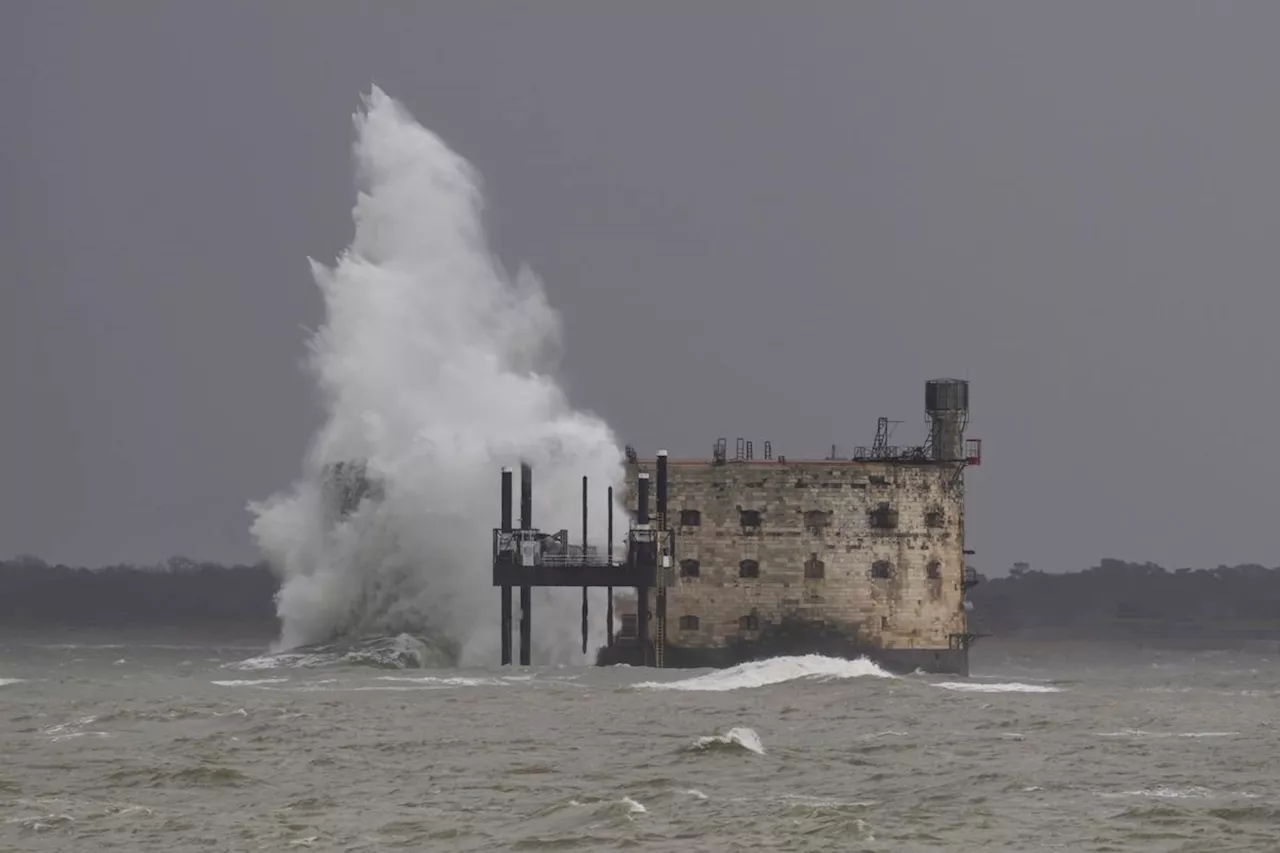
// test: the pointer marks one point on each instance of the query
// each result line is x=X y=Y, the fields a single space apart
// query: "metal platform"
x=527 y=557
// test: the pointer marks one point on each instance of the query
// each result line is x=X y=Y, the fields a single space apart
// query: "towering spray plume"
x=434 y=369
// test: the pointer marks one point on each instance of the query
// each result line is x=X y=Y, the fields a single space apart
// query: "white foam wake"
x=435 y=367
x=1007 y=687
x=774 y=671
x=5 y=682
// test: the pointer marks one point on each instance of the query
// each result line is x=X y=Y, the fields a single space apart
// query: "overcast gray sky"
x=803 y=210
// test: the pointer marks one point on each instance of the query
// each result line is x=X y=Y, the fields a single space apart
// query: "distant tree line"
x=177 y=593
x=1131 y=598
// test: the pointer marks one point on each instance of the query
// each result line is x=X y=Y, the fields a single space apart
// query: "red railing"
x=973 y=451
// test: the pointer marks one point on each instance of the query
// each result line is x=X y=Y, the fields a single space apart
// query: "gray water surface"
x=140 y=747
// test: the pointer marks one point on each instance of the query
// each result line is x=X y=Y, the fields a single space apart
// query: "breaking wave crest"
x=435 y=369
x=400 y=652
x=737 y=738
x=774 y=671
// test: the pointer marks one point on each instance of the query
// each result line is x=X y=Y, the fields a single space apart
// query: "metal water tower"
x=946 y=402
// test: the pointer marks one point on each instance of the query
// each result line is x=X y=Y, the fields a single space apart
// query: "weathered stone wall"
x=883 y=542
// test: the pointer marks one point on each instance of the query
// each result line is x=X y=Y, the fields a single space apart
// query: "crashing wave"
x=435 y=368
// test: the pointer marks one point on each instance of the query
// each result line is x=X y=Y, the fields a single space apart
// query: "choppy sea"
x=177 y=746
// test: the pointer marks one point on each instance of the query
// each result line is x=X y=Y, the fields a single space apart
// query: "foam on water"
x=436 y=367
x=5 y=682
x=1008 y=687
x=250 y=682
x=1141 y=733
x=1194 y=792
x=457 y=681
x=284 y=660
x=73 y=730
x=774 y=671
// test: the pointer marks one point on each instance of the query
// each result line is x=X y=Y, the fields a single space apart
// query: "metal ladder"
x=660 y=630
x=660 y=607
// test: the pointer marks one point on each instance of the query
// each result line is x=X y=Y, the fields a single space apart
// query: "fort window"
x=748 y=569
x=749 y=623
x=815 y=520
x=933 y=518
x=690 y=568
x=628 y=625
x=690 y=518
x=934 y=570
x=877 y=480
x=688 y=623
x=883 y=516
x=881 y=570
x=749 y=517
x=884 y=623
x=814 y=569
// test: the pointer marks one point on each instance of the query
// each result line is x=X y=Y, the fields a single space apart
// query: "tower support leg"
x=506 y=625
x=526 y=632
x=642 y=623
x=608 y=618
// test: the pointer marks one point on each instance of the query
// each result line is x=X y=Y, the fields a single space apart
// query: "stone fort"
x=840 y=556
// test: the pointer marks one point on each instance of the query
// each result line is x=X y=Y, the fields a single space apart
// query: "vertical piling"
x=642 y=499
x=506 y=588
x=642 y=592
x=584 y=560
x=526 y=523
x=609 y=559
x=660 y=556
x=662 y=490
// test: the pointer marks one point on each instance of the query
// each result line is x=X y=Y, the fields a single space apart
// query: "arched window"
x=749 y=569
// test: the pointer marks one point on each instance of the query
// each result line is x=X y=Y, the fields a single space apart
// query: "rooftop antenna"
x=881 y=448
